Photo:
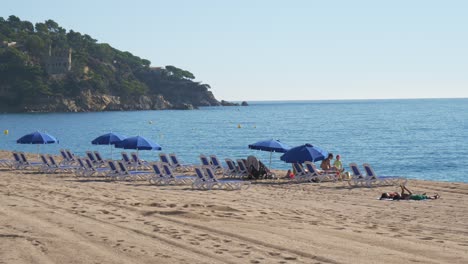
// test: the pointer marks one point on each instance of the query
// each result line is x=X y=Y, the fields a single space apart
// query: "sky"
x=284 y=50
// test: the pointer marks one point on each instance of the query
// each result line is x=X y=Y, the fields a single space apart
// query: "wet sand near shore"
x=59 y=218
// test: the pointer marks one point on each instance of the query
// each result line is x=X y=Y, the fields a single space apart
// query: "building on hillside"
x=58 y=61
x=157 y=70
x=7 y=44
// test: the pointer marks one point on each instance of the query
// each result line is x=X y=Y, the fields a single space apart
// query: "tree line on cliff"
x=25 y=50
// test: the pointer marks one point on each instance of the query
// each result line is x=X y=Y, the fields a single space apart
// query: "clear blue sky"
x=284 y=50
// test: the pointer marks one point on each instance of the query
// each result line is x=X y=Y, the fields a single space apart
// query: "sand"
x=58 y=218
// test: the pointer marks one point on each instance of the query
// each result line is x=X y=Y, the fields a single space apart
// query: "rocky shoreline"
x=90 y=102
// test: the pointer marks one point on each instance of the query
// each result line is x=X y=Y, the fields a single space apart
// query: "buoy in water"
x=238 y=126
x=150 y=122
x=6 y=132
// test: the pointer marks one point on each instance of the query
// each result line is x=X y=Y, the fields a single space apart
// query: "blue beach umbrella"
x=138 y=143
x=303 y=153
x=38 y=138
x=271 y=146
x=108 y=139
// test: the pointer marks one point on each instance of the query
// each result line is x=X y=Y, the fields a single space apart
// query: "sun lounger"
x=178 y=165
x=319 y=176
x=301 y=175
x=90 y=155
x=115 y=173
x=224 y=183
x=158 y=178
x=46 y=168
x=202 y=182
x=55 y=167
x=205 y=161
x=82 y=169
x=24 y=163
x=231 y=170
x=65 y=159
x=133 y=174
x=100 y=162
x=92 y=170
x=17 y=161
x=177 y=179
x=373 y=179
x=164 y=159
x=71 y=156
x=138 y=163
x=357 y=178
x=126 y=159
x=216 y=165
x=241 y=168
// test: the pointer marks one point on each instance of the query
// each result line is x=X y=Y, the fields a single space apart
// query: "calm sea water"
x=423 y=139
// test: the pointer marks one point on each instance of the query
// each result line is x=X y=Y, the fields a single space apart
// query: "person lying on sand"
x=408 y=195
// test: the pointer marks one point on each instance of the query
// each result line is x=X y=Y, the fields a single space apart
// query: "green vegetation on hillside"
x=26 y=50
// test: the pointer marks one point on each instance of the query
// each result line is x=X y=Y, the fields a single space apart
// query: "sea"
x=417 y=138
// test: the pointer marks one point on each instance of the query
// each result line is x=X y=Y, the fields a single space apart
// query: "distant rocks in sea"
x=226 y=103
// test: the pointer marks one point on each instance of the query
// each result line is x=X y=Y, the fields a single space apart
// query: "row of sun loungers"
x=357 y=178
x=161 y=172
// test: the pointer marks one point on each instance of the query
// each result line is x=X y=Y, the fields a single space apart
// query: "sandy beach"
x=58 y=218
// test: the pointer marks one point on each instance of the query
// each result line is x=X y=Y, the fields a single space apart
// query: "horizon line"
x=345 y=99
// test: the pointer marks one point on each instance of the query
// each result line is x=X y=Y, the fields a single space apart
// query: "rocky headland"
x=45 y=68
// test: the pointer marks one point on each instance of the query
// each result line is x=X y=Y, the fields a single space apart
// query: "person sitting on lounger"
x=326 y=163
x=408 y=195
x=337 y=164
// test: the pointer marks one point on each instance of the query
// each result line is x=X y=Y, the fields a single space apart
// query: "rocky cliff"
x=45 y=68
x=89 y=102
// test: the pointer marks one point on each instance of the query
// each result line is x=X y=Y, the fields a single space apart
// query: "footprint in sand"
x=426 y=238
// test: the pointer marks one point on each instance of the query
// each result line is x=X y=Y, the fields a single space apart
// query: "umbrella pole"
x=112 y=158
x=38 y=146
x=269 y=168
